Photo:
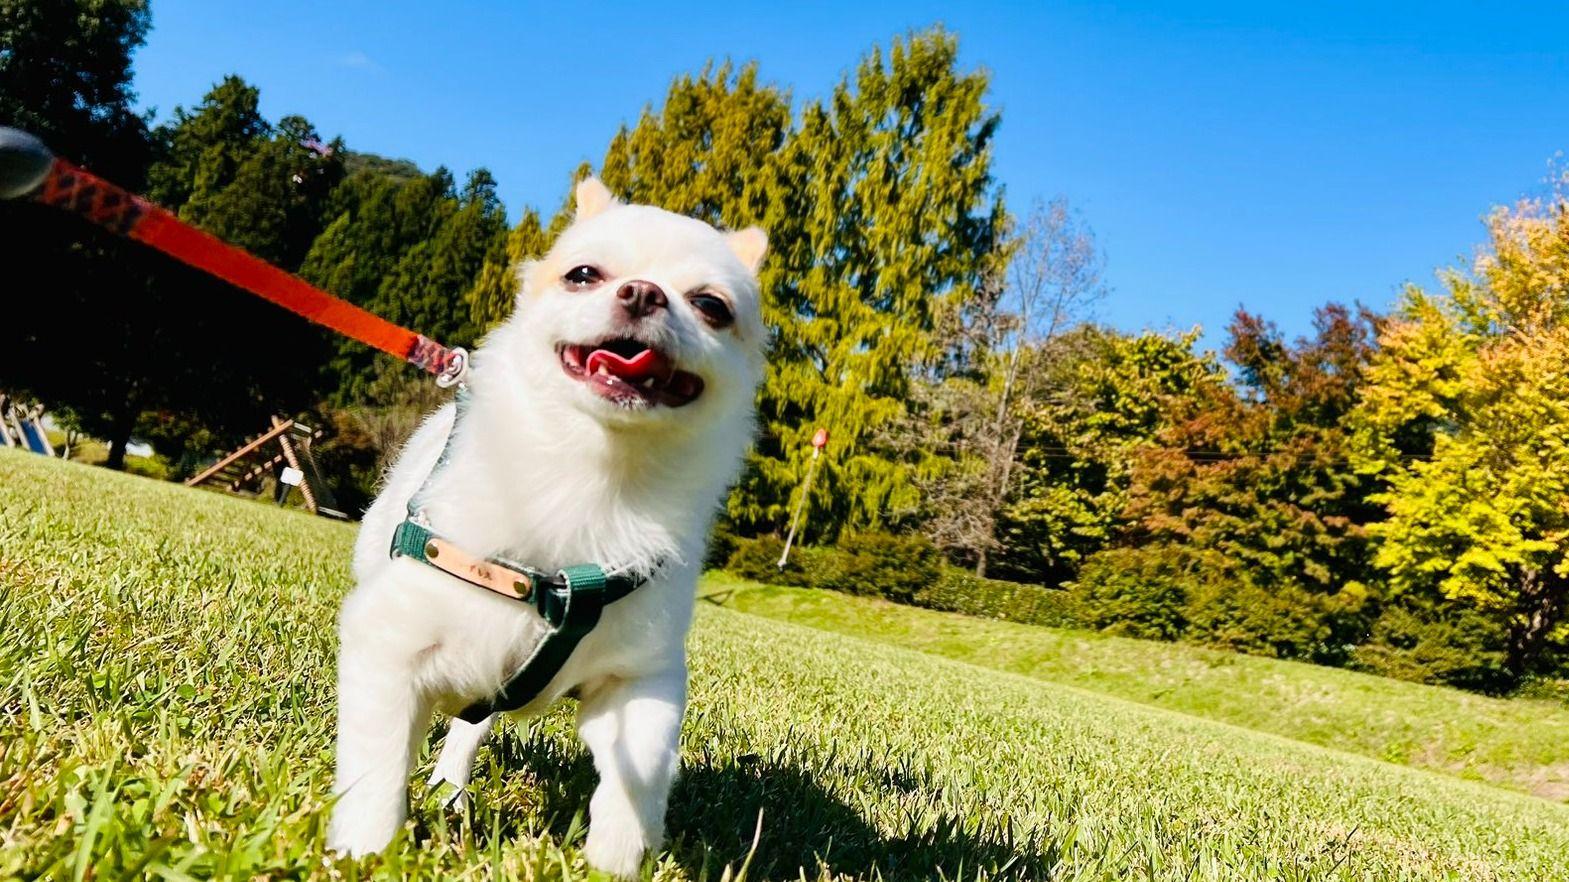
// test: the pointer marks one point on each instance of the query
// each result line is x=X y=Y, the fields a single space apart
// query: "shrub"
x=758 y=559
x=1167 y=591
x=1229 y=611
x=964 y=592
x=1138 y=592
x=1456 y=646
x=876 y=565
x=904 y=569
x=721 y=545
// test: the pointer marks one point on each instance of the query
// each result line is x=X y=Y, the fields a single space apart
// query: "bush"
x=1231 y=612
x=1168 y=592
x=964 y=592
x=758 y=559
x=721 y=545
x=1138 y=592
x=1455 y=646
x=876 y=565
x=903 y=569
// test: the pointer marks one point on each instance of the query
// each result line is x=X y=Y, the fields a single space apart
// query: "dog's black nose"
x=641 y=298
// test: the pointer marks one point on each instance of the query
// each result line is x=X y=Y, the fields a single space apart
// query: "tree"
x=703 y=153
x=125 y=340
x=410 y=248
x=262 y=187
x=495 y=289
x=65 y=75
x=1102 y=398
x=1466 y=420
x=201 y=148
x=1054 y=280
x=1257 y=475
x=884 y=223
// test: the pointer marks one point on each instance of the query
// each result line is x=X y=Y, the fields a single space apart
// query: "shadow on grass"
x=713 y=818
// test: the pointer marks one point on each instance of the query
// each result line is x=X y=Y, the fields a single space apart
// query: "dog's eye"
x=583 y=276
x=714 y=309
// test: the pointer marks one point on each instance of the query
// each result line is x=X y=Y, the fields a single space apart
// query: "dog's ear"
x=524 y=273
x=749 y=246
x=592 y=198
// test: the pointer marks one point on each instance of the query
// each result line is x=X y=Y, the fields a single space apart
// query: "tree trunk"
x=1543 y=599
x=980 y=562
x=120 y=433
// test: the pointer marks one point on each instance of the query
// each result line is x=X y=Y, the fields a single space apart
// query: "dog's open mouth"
x=630 y=373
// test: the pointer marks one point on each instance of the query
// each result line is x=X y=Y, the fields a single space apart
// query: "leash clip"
x=456 y=368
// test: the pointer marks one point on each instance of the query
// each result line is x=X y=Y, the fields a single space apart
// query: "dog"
x=602 y=423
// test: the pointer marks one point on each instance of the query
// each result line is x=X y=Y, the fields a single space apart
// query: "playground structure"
x=283 y=451
x=22 y=425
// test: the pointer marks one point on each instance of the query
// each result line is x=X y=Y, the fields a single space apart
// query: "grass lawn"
x=166 y=656
x=1517 y=743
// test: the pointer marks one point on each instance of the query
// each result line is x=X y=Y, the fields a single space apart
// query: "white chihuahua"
x=602 y=424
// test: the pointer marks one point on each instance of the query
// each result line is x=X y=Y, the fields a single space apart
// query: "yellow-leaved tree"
x=1466 y=418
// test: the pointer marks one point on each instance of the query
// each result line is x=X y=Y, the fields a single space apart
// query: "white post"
x=795 y=519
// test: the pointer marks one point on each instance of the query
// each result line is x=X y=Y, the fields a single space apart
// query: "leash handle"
x=29 y=171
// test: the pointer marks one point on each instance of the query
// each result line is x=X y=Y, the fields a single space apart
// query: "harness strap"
x=573 y=611
x=569 y=600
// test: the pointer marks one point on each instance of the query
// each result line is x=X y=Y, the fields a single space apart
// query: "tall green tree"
x=202 y=147
x=65 y=75
x=704 y=151
x=263 y=187
x=884 y=222
x=495 y=289
x=409 y=247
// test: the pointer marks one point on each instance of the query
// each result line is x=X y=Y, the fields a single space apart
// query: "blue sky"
x=1276 y=155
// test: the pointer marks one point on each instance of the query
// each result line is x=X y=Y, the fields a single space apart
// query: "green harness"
x=569 y=600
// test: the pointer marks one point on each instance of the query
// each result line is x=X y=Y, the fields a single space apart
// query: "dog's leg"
x=633 y=728
x=456 y=762
x=381 y=720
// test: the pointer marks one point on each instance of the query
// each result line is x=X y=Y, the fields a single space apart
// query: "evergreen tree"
x=201 y=148
x=262 y=187
x=495 y=289
x=84 y=349
x=65 y=76
x=411 y=249
x=703 y=153
x=884 y=222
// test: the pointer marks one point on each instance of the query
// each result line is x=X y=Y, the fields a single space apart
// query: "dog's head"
x=640 y=316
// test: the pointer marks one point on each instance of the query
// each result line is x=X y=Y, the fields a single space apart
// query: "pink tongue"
x=644 y=364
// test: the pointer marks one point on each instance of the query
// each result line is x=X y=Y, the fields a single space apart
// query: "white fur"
x=544 y=471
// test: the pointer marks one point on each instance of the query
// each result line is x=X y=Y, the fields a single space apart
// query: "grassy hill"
x=1518 y=743
x=167 y=711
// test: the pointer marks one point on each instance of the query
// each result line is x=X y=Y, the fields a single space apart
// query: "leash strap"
x=569 y=600
x=66 y=186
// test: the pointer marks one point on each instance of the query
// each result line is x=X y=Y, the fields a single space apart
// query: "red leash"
x=28 y=170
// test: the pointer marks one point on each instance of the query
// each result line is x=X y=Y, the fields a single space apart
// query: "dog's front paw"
x=615 y=849
x=355 y=837
x=444 y=795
